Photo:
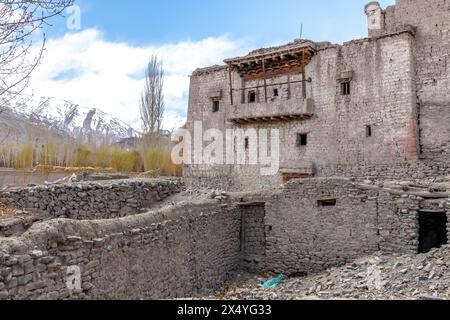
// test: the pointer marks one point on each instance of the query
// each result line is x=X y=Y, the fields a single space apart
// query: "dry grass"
x=53 y=155
x=7 y=211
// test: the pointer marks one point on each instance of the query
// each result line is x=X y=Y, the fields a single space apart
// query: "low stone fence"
x=183 y=251
x=92 y=200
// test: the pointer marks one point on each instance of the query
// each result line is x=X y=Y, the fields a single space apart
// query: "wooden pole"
x=289 y=85
x=303 y=75
x=265 y=79
x=231 y=86
x=242 y=91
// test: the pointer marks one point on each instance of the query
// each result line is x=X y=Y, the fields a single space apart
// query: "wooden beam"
x=303 y=75
x=231 y=87
x=289 y=86
x=265 y=80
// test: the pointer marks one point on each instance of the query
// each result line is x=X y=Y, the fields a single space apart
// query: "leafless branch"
x=20 y=53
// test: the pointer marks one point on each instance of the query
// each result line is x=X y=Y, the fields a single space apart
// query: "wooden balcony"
x=277 y=111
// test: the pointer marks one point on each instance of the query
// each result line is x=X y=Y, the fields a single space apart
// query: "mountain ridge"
x=63 y=118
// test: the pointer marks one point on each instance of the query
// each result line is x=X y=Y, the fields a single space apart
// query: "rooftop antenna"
x=301 y=31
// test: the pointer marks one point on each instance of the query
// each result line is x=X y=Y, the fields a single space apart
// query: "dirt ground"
x=7 y=211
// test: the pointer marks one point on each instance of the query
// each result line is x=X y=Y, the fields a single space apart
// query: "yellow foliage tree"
x=25 y=159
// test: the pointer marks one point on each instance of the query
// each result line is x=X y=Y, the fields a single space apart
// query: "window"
x=345 y=88
x=327 y=203
x=247 y=143
x=368 y=131
x=216 y=106
x=252 y=97
x=302 y=139
x=275 y=92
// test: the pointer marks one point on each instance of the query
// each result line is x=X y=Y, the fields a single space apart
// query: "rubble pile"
x=420 y=277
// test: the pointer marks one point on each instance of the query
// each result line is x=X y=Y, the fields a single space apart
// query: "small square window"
x=247 y=143
x=275 y=92
x=327 y=203
x=216 y=106
x=302 y=139
x=368 y=131
x=252 y=97
x=345 y=88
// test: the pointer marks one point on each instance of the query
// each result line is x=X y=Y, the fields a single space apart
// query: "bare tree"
x=19 y=22
x=152 y=98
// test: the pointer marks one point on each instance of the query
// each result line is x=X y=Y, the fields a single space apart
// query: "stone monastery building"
x=377 y=107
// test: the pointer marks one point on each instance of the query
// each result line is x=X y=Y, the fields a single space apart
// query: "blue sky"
x=263 y=21
x=101 y=65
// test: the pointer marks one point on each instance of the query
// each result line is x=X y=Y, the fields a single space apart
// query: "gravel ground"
x=419 y=277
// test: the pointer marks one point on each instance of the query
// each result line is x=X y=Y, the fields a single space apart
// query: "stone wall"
x=89 y=200
x=401 y=76
x=382 y=97
x=192 y=248
x=184 y=251
x=253 y=237
x=432 y=56
x=306 y=235
x=407 y=171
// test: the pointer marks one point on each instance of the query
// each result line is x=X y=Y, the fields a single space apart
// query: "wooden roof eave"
x=237 y=62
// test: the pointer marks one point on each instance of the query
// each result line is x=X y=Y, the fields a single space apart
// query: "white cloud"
x=85 y=68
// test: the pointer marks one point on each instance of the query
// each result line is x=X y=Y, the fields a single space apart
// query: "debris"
x=272 y=283
x=379 y=277
x=60 y=181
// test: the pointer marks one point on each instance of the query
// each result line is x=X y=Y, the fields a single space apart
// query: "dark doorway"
x=433 y=231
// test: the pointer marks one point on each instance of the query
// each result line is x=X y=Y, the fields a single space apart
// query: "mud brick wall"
x=382 y=96
x=409 y=171
x=401 y=76
x=179 y=252
x=91 y=200
x=432 y=59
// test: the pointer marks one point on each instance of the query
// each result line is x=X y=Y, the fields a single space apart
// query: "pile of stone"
x=195 y=193
x=219 y=195
x=420 y=277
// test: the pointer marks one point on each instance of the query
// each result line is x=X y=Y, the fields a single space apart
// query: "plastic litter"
x=272 y=283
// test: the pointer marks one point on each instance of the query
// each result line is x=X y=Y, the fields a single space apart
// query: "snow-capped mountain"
x=64 y=118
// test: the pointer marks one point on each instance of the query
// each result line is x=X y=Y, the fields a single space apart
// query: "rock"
x=47 y=260
x=403 y=271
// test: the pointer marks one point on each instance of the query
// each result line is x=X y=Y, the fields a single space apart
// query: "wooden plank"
x=274 y=84
x=289 y=86
x=303 y=76
x=265 y=79
x=231 y=86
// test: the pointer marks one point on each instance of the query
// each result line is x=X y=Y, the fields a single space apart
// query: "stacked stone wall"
x=179 y=252
x=89 y=200
x=306 y=233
